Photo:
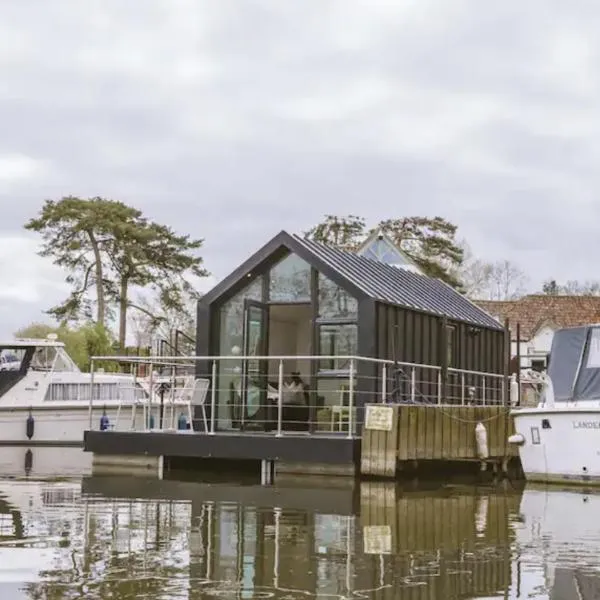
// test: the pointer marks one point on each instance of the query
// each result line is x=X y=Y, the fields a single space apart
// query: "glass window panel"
x=231 y=343
x=334 y=302
x=371 y=253
x=339 y=341
x=332 y=391
x=290 y=280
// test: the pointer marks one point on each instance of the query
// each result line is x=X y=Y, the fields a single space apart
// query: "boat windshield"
x=52 y=358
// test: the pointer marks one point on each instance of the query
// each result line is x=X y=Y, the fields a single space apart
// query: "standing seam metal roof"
x=400 y=286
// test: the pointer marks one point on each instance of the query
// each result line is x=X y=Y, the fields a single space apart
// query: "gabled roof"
x=378 y=246
x=365 y=278
x=534 y=311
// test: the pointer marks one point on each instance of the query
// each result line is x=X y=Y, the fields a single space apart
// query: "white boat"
x=45 y=397
x=559 y=439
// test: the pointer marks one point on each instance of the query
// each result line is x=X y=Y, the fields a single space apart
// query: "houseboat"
x=46 y=399
x=559 y=438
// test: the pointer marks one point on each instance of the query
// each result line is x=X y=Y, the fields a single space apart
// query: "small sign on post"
x=380 y=418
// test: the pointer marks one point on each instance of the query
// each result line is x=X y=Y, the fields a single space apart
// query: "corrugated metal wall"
x=416 y=337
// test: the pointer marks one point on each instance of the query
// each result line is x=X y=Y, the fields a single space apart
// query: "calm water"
x=112 y=537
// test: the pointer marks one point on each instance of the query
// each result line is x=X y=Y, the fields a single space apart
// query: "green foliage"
x=551 y=288
x=110 y=247
x=345 y=233
x=429 y=241
x=81 y=343
x=74 y=232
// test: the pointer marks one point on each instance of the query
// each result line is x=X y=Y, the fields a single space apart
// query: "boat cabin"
x=574 y=364
x=21 y=356
x=336 y=318
x=41 y=370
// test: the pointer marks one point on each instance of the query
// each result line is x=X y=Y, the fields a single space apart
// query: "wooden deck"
x=397 y=434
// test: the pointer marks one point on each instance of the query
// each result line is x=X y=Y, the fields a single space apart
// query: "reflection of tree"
x=232 y=316
x=290 y=280
x=153 y=566
x=335 y=302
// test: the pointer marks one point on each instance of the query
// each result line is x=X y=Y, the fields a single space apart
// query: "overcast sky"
x=233 y=119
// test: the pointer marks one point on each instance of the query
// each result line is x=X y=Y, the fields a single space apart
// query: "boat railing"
x=300 y=394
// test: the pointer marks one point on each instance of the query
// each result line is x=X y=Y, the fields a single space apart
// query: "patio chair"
x=199 y=393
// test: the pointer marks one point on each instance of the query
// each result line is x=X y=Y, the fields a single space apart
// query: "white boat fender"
x=481 y=439
x=514 y=390
x=516 y=438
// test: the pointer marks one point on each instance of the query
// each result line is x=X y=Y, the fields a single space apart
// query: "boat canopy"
x=575 y=363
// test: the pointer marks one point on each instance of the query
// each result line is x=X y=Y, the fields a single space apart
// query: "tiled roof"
x=401 y=287
x=535 y=310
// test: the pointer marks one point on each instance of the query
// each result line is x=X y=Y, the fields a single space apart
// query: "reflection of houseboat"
x=297 y=541
x=45 y=398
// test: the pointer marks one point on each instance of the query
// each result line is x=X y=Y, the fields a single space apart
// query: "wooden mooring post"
x=395 y=435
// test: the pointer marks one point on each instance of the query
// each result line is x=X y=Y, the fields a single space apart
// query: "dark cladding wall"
x=416 y=337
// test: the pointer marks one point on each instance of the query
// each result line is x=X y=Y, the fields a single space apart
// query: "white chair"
x=199 y=399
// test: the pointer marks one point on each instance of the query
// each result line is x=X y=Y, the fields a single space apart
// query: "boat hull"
x=560 y=445
x=65 y=426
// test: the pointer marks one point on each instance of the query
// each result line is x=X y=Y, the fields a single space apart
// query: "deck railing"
x=297 y=394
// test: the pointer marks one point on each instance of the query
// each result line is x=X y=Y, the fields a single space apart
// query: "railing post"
x=351 y=400
x=413 y=384
x=483 y=390
x=213 y=397
x=150 y=397
x=91 y=390
x=279 y=398
x=383 y=383
x=439 y=386
x=135 y=397
x=462 y=388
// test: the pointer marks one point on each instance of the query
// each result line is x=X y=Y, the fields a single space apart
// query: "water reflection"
x=124 y=538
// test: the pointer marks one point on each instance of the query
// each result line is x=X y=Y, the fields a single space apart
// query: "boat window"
x=11 y=359
x=123 y=391
x=63 y=362
x=52 y=358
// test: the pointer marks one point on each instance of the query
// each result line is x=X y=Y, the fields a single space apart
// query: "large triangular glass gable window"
x=382 y=250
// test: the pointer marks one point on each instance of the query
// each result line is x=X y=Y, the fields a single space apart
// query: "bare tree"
x=499 y=280
x=571 y=288
x=473 y=273
x=156 y=321
x=506 y=281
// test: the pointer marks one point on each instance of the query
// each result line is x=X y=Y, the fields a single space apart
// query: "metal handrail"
x=387 y=367
x=159 y=360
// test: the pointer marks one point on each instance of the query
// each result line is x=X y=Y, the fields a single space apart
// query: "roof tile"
x=535 y=310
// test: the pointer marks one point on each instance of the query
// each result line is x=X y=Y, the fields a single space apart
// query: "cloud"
x=234 y=119
x=30 y=284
